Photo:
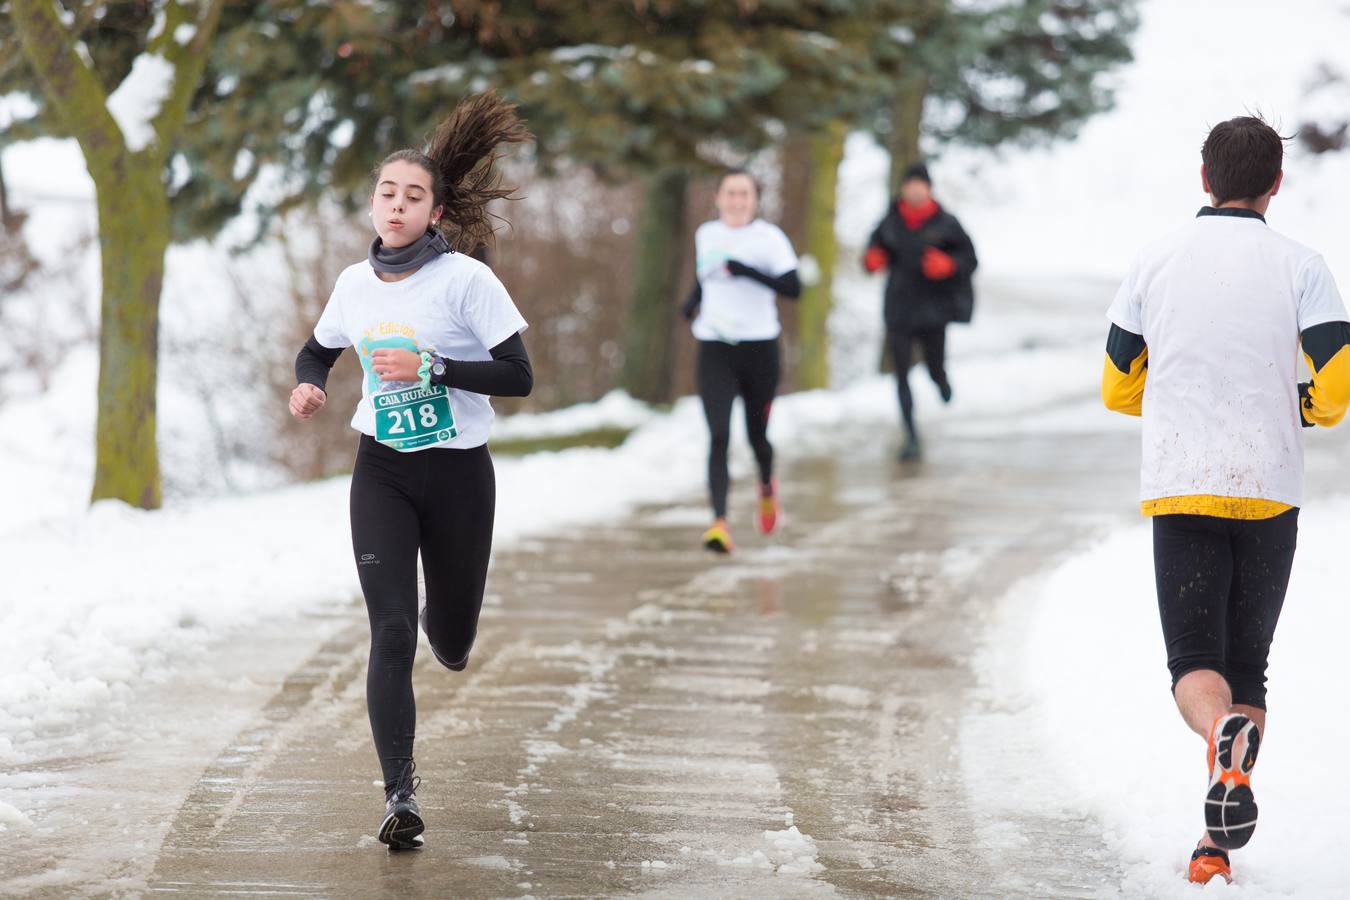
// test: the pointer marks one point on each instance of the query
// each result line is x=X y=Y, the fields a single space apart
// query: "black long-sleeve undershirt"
x=507 y=374
x=789 y=285
x=314 y=362
x=691 y=303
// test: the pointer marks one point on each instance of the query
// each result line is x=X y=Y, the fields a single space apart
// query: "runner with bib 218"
x=436 y=334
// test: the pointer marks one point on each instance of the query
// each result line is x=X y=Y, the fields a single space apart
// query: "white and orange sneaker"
x=1206 y=862
x=768 y=507
x=1230 y=808
x=718 y=537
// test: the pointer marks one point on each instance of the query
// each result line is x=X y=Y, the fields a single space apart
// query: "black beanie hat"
x=919 y=171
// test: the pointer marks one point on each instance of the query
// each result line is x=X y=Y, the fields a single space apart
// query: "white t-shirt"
x=736 y=308
x=454 y=306
x=1221 y=304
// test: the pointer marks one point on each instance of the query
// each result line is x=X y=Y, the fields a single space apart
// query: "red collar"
x=915 y=216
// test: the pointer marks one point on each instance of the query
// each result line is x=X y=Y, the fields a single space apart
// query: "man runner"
x=1204 y=344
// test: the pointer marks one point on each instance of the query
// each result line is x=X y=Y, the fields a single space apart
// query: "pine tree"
x=1025 y=71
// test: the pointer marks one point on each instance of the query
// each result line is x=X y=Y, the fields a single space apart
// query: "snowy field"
x=100 y=600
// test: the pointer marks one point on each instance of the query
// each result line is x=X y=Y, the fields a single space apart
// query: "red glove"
x=937 y=265
x=876 y=259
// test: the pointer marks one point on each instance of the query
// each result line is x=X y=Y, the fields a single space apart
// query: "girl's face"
x=401 y=205
x=736 y=200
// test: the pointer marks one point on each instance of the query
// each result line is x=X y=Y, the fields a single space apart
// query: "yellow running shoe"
x=718 y=537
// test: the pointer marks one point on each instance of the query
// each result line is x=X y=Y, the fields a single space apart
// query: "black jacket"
x=915 y=302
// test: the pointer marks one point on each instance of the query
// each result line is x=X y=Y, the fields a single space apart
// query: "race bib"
x=412 y=418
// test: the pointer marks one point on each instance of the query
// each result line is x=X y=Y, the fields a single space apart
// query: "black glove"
x=1305 y=402
x=736 y=267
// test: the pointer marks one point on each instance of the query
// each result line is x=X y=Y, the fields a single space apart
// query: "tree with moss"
x=119 y=79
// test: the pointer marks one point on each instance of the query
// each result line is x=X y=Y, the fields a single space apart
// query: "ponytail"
x=460 y=159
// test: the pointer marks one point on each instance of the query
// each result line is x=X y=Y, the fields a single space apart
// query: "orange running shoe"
x=768 y=507
x=718 y=537
x=1230 y=808
x=1206 y=862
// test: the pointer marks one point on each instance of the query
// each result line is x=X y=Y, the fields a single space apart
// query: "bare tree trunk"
x=827 y=152
x=133 y=237
x=5 y=215
x=648 y=343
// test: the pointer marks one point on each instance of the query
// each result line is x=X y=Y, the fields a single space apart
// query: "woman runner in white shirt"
x=743 y=264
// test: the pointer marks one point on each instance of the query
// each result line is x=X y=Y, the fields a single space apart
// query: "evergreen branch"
x=188 y=61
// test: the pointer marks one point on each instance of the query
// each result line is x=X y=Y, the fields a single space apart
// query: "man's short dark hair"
x=1242 y=157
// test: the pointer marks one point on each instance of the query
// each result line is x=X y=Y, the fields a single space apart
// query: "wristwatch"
x=437 y=368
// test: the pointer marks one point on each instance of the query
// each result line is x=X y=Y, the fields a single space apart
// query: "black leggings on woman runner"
x=441 y=502
x=934 y=345
x=1221 y=585
x=748 y=369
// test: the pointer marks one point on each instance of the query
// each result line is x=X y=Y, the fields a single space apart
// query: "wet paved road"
x=642 y=718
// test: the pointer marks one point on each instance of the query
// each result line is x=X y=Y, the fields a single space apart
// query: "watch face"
x=438 y=369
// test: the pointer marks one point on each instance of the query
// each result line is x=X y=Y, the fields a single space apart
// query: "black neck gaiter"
x=404 y=259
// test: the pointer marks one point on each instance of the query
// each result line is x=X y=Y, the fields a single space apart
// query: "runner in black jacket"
x=931 y=260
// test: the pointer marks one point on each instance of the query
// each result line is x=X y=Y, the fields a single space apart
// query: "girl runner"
x=743 y=264
x=436 y=334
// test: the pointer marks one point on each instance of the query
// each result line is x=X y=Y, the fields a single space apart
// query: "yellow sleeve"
x=1326 y=348
x=1125 y=372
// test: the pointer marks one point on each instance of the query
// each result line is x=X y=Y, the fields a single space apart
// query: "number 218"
x=426 y=412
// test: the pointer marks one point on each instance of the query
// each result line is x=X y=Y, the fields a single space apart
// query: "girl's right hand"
x=306 y=400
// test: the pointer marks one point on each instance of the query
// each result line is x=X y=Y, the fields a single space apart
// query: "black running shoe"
x=1230 y=807
x=403 y=826
x=912 y=450
x=452 y=666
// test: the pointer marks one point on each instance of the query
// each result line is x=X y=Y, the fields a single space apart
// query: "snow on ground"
x=1077 y=701
x=615 y=410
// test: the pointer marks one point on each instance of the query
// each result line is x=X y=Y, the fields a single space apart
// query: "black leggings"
x=439 y=501
x=1221 y=585
x=748 y=369
x=934 y=344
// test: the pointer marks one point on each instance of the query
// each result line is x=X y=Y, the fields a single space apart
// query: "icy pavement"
x=640 y=717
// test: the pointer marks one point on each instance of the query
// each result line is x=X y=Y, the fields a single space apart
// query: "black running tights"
x=933 y=343
x=1221 y=586
x=748 y=369
x=441 y=502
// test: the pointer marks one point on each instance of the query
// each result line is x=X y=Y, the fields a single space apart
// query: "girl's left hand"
x=396 y=365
